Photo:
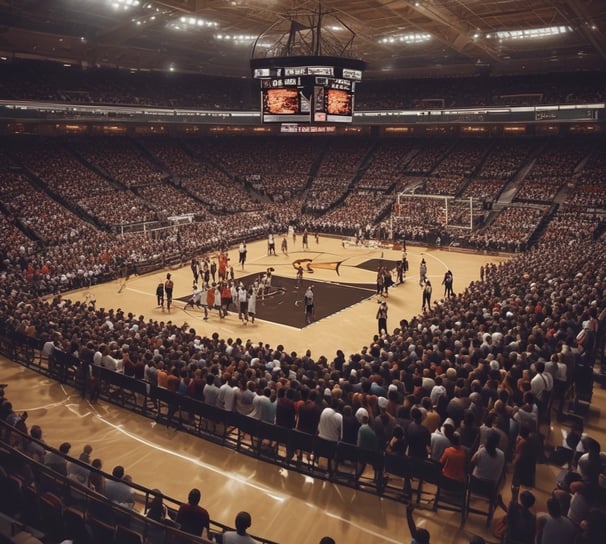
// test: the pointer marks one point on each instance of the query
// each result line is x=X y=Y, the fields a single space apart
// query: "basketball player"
x=252 y=302
x=195 y=298
x=422 y=272
x=243 y=303
x=160 y=295
x=427 y=295
x=309 y=304
x=299 y=276
x=382 y=317
x=168 y=289
x=242 y=254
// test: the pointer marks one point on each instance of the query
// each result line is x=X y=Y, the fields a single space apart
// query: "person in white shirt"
x=330 y=426
x=542 y=385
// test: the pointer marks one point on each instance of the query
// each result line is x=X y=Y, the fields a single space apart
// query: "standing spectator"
x=521 y=523
x=330 y=426
x=417 y=436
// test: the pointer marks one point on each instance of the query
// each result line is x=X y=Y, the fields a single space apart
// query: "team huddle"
x=226 y=294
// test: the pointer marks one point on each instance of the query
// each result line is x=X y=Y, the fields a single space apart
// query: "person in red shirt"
x=454 y=460
x=191 y=517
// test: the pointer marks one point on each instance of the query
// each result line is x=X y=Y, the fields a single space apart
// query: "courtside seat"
x=398 y=466
x=482 y=492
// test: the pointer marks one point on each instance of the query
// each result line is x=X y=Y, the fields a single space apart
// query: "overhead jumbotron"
x=306 y=77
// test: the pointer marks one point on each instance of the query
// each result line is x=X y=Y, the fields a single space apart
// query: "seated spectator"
x=240 y=536
x=96 y=480
x=33 y=448
x=555 y=527
x=157 y=510
x=191 y=517
x=57 y=461
x=118 y=490
x=454 y=460
x=489 y=461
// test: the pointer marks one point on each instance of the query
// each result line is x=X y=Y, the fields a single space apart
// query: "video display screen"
x=295 y=103
x=285 y=104
x=339 y=103
x=283 y=101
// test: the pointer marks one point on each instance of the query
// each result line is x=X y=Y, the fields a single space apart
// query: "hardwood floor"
x=286 y=507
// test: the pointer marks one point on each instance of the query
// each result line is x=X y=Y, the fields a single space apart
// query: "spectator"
x=240 y=536
x=118 y=490
x=191 y=517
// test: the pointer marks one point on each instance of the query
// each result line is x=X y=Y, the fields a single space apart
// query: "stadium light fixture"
x=409 y=39
x=124 y=4
x=188 y=22
x=236 y=38
x=530 y=33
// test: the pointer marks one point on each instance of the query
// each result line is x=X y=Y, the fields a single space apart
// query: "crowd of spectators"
x=54 y=165
x=511 y=229
x=220 y=194
x=68 y=179
x=443 y=185
x=273 y=166
x=430 y=153
x=530 y=90
x=119 y=158
x=589 y=190
x=216 y=200
x=417 y=219
x=167 y=200
x=463 y=158
x=361 y=208
x=386 y=165
x=37 y=80
x=505 y=158
x=484 y=189
x=173 y=154
x=554 y=167
x=572 y=225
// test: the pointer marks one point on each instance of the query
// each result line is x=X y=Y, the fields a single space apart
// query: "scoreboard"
x=308 y=93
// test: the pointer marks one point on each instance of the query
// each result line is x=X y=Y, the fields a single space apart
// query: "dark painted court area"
x=284 y=302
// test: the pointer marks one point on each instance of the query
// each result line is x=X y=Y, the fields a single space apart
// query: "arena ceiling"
x=396 y=38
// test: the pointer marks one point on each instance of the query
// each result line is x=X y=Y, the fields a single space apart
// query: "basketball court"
x=344 y=278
